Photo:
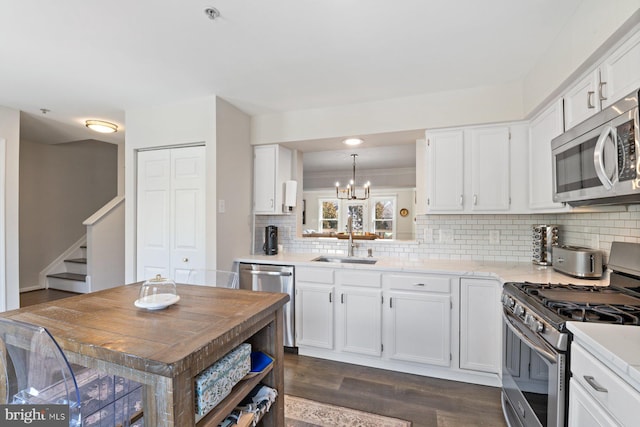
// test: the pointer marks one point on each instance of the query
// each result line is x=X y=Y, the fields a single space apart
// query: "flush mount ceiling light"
x=349 y=192
x=101 y=126
x=353 y=141
x=212 y=13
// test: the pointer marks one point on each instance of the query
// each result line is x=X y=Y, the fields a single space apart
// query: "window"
x=384 y=215
x=375 y=215
x=328 y=215
x=357 y=211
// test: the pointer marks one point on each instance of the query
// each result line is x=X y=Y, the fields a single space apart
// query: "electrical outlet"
x=494 y=237
x=595 y=241
x=428 y=235
x=221 y=206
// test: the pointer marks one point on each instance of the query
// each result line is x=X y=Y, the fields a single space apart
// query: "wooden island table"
x=165 y=349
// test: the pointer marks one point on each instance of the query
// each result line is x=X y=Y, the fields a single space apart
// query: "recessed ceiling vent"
x=212 y=13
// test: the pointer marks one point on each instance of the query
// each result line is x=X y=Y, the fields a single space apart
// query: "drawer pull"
x=592 y=382
x=418 y=284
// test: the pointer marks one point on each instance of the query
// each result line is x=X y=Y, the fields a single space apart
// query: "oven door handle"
x=544 y=350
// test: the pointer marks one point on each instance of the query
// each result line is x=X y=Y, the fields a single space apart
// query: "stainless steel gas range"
x=536 y=342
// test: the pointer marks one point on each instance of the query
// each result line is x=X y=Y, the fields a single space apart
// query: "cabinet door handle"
x=592 y=382
x=341 y=298
x=330 y=297
x=601 y=91
x=590 y=99
x=390 y=302
x=461 y=200
x=475 y=199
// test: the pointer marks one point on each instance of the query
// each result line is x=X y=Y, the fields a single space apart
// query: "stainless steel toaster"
x=577 y=261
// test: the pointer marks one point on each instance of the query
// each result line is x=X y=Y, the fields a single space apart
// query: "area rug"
x=299 y=412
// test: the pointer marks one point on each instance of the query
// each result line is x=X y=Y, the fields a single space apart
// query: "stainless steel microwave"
x=596 y=162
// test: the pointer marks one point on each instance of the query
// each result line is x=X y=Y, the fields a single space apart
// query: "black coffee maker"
x=270 y=246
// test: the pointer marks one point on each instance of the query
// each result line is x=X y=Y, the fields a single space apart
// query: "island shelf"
x=166 y=349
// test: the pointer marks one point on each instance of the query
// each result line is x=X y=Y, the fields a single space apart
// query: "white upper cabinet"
x=620 y=71
x=582 y=100
x=614 y=78
x=490 y=178
x=271 y=168
x=543 y=128
x=445 y=171
x=468 y=170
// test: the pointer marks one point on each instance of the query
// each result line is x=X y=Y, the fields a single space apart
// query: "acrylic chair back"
x=217 y=278
x=34 y=370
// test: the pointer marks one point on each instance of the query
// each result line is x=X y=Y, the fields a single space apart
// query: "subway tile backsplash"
x=472 y=237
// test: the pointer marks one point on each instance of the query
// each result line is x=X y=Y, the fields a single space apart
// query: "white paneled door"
x=170 y=212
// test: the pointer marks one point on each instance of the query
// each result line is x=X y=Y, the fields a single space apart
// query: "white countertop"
x=504 y=271
x=617 y=346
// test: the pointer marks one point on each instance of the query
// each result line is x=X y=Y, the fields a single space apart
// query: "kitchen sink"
x=345 y=260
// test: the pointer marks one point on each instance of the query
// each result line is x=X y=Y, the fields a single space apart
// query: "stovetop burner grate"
x=605 y=313
x=558 y=303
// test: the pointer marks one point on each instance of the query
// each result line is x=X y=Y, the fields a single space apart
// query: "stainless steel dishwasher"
x=273 y=278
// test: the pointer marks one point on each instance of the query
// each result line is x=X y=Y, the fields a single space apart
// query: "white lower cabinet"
x=359 y=313
x=360 y=320
x=480 y=325
x=315 y=298
x=408 y=322
x=417 y=318
x=584 y=411
x=597 y=395
x=419 y=327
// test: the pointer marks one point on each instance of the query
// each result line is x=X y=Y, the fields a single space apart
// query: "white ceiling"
x=389 y=157
x=88 y=59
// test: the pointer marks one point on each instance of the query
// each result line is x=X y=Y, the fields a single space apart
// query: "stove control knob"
x=507 y=301
x=533 y=323
x=519 y=310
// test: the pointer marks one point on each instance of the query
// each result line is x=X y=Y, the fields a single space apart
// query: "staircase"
x=103 y=247
x=74 y=276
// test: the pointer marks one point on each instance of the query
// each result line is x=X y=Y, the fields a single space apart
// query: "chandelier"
x=350 y=191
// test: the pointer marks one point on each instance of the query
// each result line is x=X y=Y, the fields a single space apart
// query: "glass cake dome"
x=157 y=293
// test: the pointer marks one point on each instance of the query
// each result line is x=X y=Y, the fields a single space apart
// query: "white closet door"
x=170 y=212
x=187 y=211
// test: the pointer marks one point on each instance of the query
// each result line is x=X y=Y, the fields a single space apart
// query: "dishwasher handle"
x=270 y=273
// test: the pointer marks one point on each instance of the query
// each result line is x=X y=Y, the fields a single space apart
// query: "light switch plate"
x=494 y=237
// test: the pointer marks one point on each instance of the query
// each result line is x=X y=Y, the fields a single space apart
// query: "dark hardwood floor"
x=426 y=402
x=42 y=295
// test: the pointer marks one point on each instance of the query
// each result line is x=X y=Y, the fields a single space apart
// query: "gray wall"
x=234 y=171
x=60 y=187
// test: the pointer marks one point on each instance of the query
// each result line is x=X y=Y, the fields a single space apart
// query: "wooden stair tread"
x=77 y=260
x=69 y=276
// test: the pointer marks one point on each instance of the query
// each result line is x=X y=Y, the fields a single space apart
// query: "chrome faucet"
x=350 y=231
